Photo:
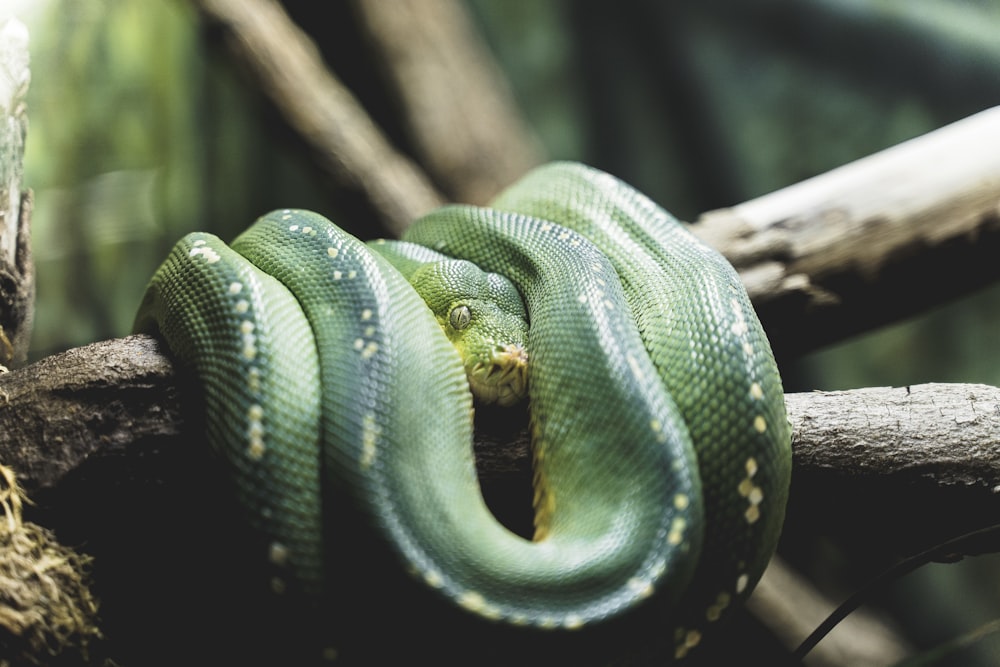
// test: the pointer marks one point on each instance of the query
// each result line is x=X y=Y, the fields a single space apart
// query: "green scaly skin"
x=660 y=440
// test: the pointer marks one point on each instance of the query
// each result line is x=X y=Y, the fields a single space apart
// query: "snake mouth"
x=503 y=378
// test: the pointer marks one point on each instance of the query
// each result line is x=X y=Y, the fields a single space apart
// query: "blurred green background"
x=141 y=129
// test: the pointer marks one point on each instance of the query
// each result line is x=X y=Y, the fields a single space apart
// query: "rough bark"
x=115 y=410
x=879 y=239
x=933 y=448
x=17 y=284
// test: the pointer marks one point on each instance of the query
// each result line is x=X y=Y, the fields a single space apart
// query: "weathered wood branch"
x=934 y=449
x=290 y=70
x=879 y=239
x=872 y=242
x=111 y=409
x=462 y=119
x=17 y=281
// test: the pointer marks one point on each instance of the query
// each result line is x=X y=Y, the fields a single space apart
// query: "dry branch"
x=115 y=407
x=879 y=239
x=289 y=68
x=464 y=124
x=924 y=446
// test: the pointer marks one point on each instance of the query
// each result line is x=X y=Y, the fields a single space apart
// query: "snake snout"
x=503 y=378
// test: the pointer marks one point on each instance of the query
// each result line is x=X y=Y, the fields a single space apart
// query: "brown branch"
x=874 y=241
x=869 y=243
x=113 y=408
x=290 y=70
x=462 y=119
x=934 y=449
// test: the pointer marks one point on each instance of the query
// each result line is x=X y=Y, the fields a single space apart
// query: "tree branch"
x=874 y=241
x=111 y=410
x=289 y=69
x=933 y=447
x=462 y=119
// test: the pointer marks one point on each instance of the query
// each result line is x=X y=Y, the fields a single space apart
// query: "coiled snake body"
x=660 y=441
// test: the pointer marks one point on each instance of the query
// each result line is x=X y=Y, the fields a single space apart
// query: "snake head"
x=484 y=318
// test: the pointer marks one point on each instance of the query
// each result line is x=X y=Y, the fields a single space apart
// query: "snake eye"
x=460 y=317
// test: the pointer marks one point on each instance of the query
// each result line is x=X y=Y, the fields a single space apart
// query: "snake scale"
x=661 y=448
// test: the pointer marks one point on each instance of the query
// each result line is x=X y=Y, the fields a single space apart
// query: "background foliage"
x=142 y=130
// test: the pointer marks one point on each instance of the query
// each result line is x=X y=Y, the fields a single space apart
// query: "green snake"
x=661 y=448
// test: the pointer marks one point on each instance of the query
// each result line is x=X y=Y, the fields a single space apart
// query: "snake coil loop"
x=660 y=442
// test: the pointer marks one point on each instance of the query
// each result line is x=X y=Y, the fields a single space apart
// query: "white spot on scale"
x=676 y=534
x=370 y=432
x=756 y=392
x=759 y=424
x=714 y=611
x=256 y=449
x=642 y=589
x=337 y=275
x=633 y=365
x=690 y=639
x=235 y=288
x=293 y=228
x=332 y=252
x=742 y=582
x=209 y=255
x=433 y=579
x=366 y=314
x=242 y=306
x=278 y=554
x=199 y=242
x=472 y=601
x=253 y=379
